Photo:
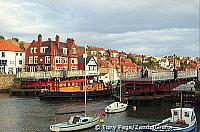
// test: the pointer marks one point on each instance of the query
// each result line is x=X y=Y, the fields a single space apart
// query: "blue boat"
x=182 y=120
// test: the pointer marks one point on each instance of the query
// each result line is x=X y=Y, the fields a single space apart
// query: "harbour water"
x=34 y=115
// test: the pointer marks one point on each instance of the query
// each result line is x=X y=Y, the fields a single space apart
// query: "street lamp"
x=174 y=70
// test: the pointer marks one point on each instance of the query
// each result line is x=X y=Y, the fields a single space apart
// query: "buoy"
x=101 y=121
x=134 y=108
x=103 y=113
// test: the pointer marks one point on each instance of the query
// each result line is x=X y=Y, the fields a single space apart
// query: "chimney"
x=39 y=40
x=57 y=41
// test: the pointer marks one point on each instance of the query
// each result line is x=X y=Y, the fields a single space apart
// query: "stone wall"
x=6 y=81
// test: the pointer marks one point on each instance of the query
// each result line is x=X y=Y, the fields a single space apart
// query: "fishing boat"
x=181 y=120
x=77 y=122
x=117 y=107
x=174 y=123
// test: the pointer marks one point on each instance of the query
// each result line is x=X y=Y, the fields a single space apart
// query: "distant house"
x=12 y=57
x=164 y=63
x=113 y=53
x=51 y=55
x=91 y=65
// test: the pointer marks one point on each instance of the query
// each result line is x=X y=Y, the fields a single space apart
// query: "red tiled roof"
x=101 y=49
x=113 y=51
x=6 y=45
x=26 y=45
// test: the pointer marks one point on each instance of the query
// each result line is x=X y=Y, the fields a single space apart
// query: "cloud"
x=135 y=25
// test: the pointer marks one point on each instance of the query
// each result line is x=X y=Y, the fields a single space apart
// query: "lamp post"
x=174 y=70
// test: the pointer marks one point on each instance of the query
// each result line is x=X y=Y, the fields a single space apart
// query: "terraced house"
x=51 y=55
x=12 y=57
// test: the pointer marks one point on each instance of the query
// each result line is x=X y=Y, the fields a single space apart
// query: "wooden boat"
x=188 y=122
x=62 y=89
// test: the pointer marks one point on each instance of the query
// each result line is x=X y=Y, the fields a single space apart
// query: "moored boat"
x=75 y=123
x=182 y=120
x=63 y=89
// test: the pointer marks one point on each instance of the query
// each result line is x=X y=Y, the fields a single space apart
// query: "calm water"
x=34 y=115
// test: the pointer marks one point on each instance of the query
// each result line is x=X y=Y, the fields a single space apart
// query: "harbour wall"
x=6 y=81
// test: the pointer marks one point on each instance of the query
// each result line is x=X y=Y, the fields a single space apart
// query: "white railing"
x=162 y=75
x=50 y=74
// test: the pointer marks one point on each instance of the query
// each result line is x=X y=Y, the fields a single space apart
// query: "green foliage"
x=15 y=39
x=133 y=59
x=2 y=37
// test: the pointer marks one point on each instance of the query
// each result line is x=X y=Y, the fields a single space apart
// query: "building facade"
x=51 y=55
x=12 y=58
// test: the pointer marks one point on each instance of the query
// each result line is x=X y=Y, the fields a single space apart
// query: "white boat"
x=117 y=107
x=77 y=122
x=182 y=120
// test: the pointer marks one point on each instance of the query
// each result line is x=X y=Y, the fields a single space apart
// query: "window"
x=35 y=50
x=64 y=50
x=32 y=69
x=20 y=62
x=20 y=54
x=31 y=60
x=47 y=68
x=74 y=60
x=186 y=114
x=64 y=60
x=175 y=113
x=43 y=49
x=73 y=50
x=35 y=59
x=3 y=62
x=16 y=54
x=47 y=59
x=32 y=50
x=74 y=67
x=3 y=54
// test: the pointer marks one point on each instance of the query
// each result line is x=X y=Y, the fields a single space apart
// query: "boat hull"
x=73 y=95
x=113 y=110
x=192 y=128
x=76 y=128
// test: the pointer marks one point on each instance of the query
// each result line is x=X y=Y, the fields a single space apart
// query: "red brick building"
x=51 y=55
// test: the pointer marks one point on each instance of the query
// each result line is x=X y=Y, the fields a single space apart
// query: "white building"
x=12 y=58
x=104 y=77
x=91 y=65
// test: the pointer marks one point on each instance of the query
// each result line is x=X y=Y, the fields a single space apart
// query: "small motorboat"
x=75 y=123
x=116 y=107
x=182 y=120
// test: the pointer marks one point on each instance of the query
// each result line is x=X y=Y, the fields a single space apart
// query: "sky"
x=150 y=27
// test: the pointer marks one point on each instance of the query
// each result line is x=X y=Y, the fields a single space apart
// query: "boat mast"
x=85 y=56
x=181 y=105
x=120 y=88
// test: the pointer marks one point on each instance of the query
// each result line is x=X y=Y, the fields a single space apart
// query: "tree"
x=2 y=37
x=133 y=59
x=15 y=39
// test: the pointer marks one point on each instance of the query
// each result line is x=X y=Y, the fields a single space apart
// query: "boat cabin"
x=188 y=115
x=79 y=119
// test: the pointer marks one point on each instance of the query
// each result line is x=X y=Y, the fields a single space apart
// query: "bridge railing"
x=162 y=75
x=49 y=74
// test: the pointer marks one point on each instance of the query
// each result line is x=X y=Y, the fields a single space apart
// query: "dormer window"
x=43 y=49
x=35 y=50
x=64 y=50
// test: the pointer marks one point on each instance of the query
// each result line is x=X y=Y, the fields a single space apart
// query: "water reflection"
x=31 y=114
